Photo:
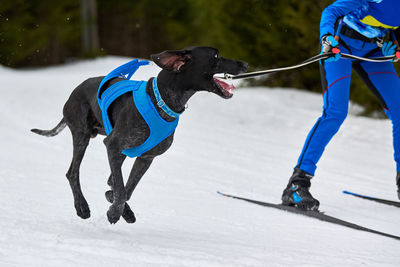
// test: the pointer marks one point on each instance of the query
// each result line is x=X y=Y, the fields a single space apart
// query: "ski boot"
x=398 y=184
x=297 y=192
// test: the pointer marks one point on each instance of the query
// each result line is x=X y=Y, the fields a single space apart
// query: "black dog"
x=184 y=73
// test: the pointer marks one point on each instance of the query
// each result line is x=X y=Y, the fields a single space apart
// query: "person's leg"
x=383 y=81
x=336 y=78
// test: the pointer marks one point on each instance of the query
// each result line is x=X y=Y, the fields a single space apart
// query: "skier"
x=361 y=26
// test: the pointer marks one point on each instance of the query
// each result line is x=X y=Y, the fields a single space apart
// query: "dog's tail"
x=49 y=133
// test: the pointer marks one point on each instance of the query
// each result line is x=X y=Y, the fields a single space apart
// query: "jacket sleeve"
x=337 y=10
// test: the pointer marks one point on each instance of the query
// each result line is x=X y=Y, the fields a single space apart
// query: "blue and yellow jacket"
x=371 y=18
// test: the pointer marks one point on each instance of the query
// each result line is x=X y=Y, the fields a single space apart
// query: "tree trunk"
x=90 y=33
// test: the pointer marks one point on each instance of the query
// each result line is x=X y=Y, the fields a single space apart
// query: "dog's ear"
x=172 y=60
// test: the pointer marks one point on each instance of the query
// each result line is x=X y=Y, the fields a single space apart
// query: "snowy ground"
x=246 y=145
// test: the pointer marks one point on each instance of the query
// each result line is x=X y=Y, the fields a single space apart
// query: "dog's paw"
x=115 y=212
x=109 y=196
x=82 y=209
x=128 y=214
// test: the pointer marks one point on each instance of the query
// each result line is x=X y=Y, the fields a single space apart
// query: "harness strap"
x=124 y=71
x=349 y=32
x=111 y=94
x=159 y=128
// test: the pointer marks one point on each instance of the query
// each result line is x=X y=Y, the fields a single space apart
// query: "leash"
x=304 y=63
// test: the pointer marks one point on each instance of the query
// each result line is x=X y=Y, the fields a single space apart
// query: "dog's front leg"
x=116 y=158
x=139 y=168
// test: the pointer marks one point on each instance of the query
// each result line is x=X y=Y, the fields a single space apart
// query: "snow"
x=247 y=146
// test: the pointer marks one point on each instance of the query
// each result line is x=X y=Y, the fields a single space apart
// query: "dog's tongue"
x=227 y=87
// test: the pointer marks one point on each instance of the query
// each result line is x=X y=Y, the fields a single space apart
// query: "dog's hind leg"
x=80 y=142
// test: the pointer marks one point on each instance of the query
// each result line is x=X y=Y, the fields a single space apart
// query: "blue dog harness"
x=159 y=128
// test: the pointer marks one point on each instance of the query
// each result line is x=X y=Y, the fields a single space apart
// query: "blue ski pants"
x=381 y=79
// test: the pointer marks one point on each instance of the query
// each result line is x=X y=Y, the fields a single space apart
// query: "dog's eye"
x=216 y=56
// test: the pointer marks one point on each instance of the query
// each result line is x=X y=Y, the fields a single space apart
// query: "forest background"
x=265 y=33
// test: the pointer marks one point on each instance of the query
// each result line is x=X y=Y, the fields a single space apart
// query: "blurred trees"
x=90 y=32
x=38 y=32
x=265 y=33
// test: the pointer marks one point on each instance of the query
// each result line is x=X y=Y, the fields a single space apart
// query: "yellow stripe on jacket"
x=369 y=20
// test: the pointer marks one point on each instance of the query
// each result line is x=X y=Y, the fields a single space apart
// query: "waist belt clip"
x=379 y=42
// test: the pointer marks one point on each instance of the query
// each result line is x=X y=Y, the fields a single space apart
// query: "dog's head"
x=197 y=67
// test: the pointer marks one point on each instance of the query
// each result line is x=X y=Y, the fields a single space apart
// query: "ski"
x=379 y=200
x=313 y=214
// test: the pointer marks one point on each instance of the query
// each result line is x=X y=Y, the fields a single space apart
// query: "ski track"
x=247 y=146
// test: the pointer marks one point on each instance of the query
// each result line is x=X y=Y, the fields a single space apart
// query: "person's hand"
x=329 y=44
x=390 y=49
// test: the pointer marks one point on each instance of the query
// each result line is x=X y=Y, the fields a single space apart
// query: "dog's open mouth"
x=225 y=88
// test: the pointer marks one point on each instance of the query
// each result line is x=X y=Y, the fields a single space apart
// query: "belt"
x=349 y=32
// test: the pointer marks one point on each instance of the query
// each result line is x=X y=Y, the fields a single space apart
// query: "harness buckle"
x=379 y=42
